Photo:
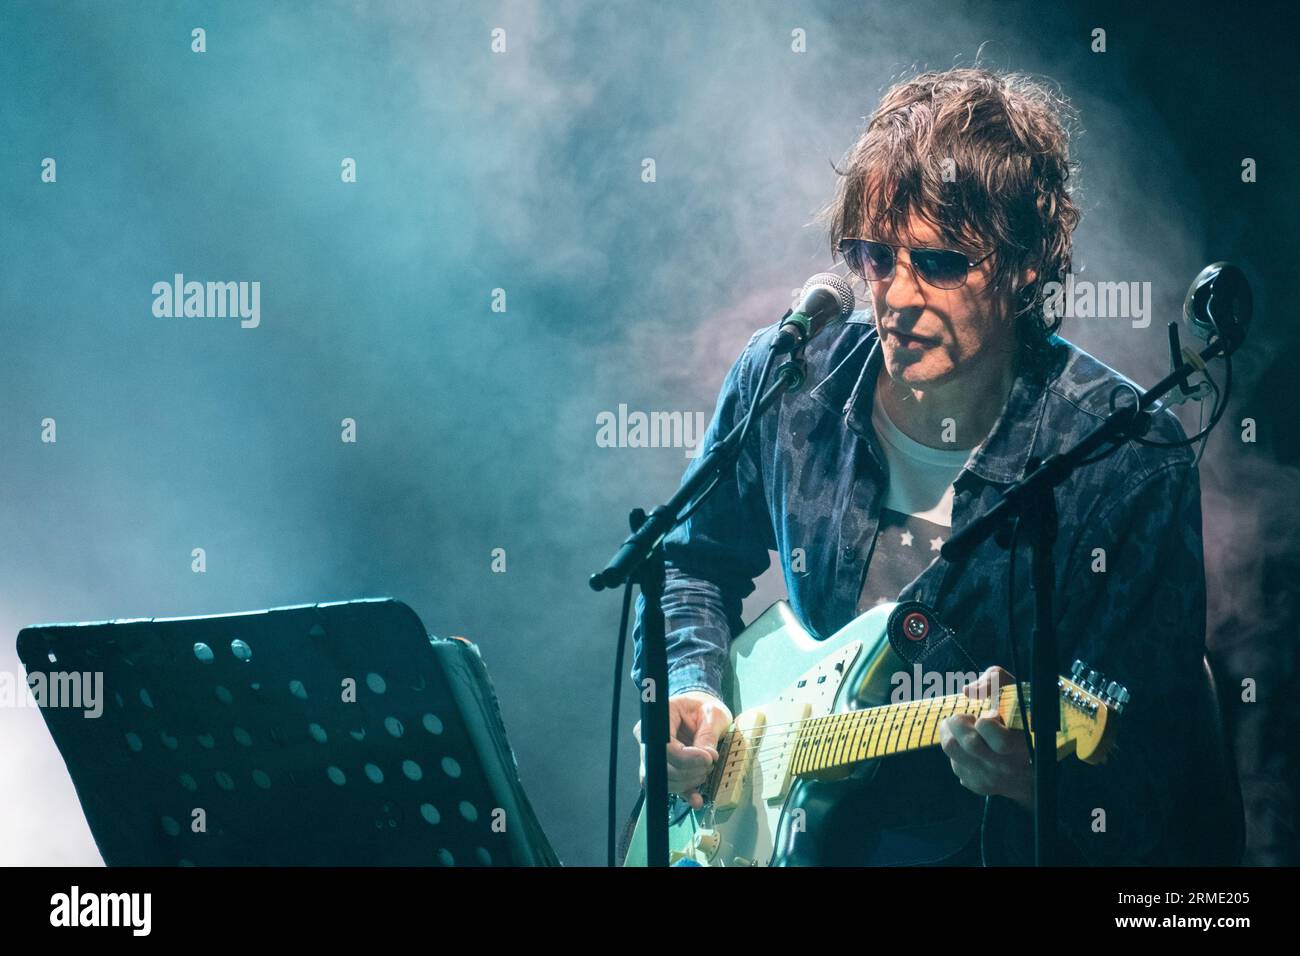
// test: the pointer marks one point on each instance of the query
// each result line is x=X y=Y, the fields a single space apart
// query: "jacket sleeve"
x=713 y=558
x=1141 y=622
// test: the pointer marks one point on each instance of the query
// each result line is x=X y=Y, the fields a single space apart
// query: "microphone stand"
x=1032 y=501
x=640 y=560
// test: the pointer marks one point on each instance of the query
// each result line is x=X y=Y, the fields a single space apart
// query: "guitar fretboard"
x=839 y=740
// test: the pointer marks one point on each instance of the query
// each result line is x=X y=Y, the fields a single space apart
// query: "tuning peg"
x=1116 y=696
x=1090 y=682
x=1076 y=670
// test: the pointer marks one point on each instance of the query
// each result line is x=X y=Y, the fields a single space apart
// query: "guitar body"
x=809 y=714
x=780 y=675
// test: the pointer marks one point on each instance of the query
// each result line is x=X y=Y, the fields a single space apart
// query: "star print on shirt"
x=936 y=544
x=898 y=556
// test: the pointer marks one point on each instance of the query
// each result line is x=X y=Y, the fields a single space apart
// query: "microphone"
x=824 y=298
x=1218 y=306
x=1219 y=303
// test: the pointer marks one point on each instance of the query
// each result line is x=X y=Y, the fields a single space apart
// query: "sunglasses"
x=873 y=261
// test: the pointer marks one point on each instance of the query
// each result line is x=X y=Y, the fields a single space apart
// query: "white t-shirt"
x=917 y=511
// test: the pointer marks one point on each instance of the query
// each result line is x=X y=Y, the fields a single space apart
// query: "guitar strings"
x=877 y=719
x=872 y=716
x=854 y=714
x=880 y=713
x=870 y=737
x=871 y=740
x=906 y=710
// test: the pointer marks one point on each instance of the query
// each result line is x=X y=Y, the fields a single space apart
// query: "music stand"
x=247 y=718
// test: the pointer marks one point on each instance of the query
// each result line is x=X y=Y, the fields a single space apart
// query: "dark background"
x=477 y=429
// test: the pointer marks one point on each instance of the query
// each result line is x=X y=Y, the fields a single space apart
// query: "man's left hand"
x=988 y=757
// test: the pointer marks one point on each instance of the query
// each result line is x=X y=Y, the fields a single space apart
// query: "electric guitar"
x=808 y=711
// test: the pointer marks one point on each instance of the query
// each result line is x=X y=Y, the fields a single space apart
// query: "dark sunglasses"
x=873 y=261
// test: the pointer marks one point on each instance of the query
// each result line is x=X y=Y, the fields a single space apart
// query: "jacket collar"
x=1001 y=458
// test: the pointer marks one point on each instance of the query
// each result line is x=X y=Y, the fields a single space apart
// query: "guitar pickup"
x=778 y=749
x=746 y=735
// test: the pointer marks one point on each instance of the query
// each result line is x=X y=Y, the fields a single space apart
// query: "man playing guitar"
x=954 y=210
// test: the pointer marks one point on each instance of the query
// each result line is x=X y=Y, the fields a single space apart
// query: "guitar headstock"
x=1089 y=705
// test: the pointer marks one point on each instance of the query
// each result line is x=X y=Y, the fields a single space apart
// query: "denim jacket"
x=1130 y=594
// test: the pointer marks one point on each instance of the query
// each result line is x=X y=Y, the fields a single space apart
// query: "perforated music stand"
x=244 y=717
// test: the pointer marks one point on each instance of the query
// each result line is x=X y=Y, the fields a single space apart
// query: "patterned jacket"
x=1130 y=596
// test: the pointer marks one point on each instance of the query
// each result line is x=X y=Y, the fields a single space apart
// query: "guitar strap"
x=918 y=637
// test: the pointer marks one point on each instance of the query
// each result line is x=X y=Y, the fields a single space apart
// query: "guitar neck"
x=839 y=740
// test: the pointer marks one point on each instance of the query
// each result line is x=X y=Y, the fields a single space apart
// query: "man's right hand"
x=696 y=721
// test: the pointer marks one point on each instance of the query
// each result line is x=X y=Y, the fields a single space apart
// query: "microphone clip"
x=1178 y=355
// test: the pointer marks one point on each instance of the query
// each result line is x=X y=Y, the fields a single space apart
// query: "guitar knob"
x=707 y=842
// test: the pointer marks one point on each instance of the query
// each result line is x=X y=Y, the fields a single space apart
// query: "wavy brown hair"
x=1005 y=191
